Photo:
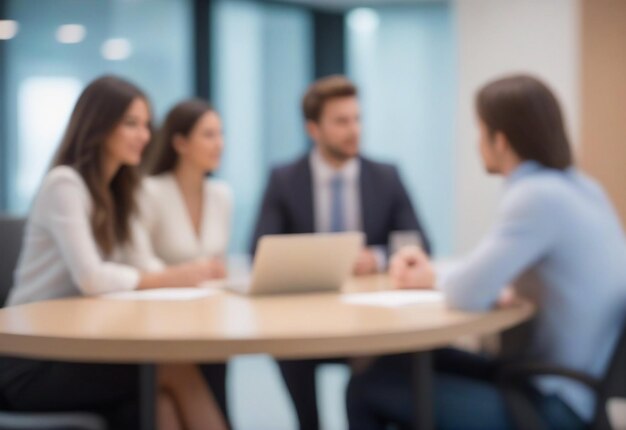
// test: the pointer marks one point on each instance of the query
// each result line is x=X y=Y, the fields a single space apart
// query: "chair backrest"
x=11 y=236
x=614 y=382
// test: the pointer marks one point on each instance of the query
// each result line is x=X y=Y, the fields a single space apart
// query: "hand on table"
x=508 y=298
x=366 y=264
x=411 y=268
x=196 y=272
x=217 y=268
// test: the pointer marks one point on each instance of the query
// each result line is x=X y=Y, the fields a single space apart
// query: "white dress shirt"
x=171 y=236
x=323 y=174
x=60 y=257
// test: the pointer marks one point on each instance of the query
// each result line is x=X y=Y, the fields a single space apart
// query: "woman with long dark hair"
x=186 y=210
x=77 y=233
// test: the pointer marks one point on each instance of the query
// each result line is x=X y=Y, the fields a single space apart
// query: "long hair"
x=99 y=109
x=525 y=110
x=180 y=120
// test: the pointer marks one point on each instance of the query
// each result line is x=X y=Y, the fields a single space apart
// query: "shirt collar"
x=527 y=168
x=324 y=172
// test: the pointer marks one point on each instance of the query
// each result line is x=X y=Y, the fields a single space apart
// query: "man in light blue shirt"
x=558 y=240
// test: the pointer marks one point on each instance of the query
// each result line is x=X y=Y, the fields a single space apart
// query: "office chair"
x=515 y=377
x=11 y=233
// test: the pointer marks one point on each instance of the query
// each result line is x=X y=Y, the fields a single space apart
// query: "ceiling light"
x=116 y=49
x=363 y=20
x=71 y=33
x=8 y=29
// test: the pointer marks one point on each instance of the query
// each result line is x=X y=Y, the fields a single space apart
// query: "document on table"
x=164 y=294
x=393 y=299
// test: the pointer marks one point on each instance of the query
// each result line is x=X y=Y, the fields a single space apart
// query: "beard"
x=337 y=153
x=492 y=170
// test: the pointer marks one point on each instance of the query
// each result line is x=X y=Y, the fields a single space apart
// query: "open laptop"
x=301 y=263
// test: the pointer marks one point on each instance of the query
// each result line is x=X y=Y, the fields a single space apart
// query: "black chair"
x=514 y=380
x=11 y=234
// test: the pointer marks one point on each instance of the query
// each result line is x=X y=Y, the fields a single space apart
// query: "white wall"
x=497 y=37
x=405 y=69
x=260 y=76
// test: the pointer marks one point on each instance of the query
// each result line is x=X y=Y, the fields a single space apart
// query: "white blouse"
x=60 y=257
x=172 y=237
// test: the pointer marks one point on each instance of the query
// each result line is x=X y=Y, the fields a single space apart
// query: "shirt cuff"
x=112 y=279
x=380 y=253
x=133 y=279
x=443 y=269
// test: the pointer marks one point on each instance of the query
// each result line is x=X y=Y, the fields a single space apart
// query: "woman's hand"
x=217 y=268
x=184 y=275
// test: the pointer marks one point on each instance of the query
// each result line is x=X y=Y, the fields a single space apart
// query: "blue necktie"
x=337 y=218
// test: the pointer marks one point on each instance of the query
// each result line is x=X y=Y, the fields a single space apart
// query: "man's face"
x=338 y=131
x=488 y=149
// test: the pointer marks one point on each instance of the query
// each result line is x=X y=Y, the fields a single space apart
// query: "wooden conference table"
x=212 y=325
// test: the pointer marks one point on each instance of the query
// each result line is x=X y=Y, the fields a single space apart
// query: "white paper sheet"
x=163 y=294
x=393 y=299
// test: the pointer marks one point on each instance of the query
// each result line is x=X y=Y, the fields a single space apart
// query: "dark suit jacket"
x=287 y=206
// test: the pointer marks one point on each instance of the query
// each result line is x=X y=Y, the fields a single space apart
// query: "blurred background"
x=417 y=64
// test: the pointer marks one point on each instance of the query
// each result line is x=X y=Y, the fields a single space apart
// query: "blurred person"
x=76 y=235
x=186 y=212
x=333 y=188
x=557 y=239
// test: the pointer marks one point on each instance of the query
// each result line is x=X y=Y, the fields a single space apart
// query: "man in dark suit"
x=333 y=189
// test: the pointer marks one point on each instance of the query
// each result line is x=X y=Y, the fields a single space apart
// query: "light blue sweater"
x=559 y=240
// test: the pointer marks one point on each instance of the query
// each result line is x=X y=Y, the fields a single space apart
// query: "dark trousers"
x=109 y=390
x=299 y=377
x=465 y=396
x=215 y=377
